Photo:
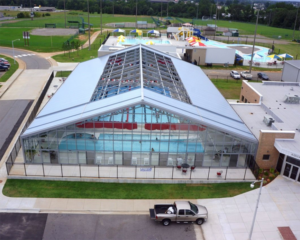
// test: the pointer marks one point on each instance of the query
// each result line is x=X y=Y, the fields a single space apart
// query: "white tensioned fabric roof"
x=139 y=75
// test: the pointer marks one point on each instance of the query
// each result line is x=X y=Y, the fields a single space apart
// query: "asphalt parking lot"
x=90 y=226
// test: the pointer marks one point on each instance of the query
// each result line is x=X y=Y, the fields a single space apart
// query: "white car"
x=235 y=74
x=246 y=75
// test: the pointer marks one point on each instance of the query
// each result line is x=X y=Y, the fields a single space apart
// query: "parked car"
x=5 y=64
x=180 y=212
x=3 y=68
x=263 y=76
x=246 y=75
x=3 y=60
x=235 y=74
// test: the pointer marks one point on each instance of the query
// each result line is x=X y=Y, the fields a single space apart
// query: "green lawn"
x=82 y=55
x=230 y=89
x=249 y=28
x=36 y=43
x=11 y=71
x=219 y=67
x=59 y=20
x=94 y=190
x=63 y=74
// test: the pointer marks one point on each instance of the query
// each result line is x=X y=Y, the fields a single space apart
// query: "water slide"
x=197 y=33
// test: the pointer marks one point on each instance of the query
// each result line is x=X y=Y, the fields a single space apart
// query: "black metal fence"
x=14 y=152
x=249 y=172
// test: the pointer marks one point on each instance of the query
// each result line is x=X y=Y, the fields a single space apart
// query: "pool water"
x=134 y=41
x=137 y=144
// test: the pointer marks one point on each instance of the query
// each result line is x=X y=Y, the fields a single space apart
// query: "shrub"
x=37 y=14
x=260 y=171
x=272 y=170
x=47 y=14
x=20 y=15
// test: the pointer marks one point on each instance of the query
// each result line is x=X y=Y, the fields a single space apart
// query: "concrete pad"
x=28 y=85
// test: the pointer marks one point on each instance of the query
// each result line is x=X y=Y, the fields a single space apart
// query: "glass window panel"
x=155 y=159
x=241 y=160
x=63 y=157
x=118 y=158
x=82 y=157
x=72 y=158
x=109 y=158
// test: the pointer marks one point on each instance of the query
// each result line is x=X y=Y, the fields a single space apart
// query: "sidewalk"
x=229 y=218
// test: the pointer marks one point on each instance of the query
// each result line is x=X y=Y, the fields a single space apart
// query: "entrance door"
x=294 y=172
x=287 y=170
x=291 y=171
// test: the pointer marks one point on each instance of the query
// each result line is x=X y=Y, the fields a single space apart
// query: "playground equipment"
x=185 y=32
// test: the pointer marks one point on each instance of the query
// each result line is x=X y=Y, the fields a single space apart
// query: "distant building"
x=1 y=15
x=45 y=9
x=209 y=31
x=291 y=71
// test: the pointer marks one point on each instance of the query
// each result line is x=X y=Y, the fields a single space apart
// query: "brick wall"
x=247 y=93
x=266 y=147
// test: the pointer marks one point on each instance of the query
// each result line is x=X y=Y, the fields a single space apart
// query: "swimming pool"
x=113 y=142
x=134 y=41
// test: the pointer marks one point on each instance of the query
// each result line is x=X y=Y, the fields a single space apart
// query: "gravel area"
x=53 y=31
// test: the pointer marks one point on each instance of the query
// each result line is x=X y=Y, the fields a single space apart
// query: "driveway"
x=223 y=74
x=31 y=60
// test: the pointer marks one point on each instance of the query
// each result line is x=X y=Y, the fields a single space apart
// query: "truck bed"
x=162 y=208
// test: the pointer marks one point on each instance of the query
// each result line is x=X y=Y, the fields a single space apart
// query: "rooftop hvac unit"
x=292 y=99
x=268 y=120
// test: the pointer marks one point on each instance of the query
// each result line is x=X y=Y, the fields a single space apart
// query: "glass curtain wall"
x=140 y=135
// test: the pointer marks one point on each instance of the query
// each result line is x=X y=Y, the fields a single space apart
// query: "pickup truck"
x=183 y=211
x=246 y=75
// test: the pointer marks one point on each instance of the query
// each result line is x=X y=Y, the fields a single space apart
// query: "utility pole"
x=101 y=15
x=251 y=61
x=295 y=23
x=161 y=10
x=168 y=8
x=216 y=19
x=88 y=9
x=136 y=14
x=65 y=13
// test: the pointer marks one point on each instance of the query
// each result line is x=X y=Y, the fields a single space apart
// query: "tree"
x=76 y=44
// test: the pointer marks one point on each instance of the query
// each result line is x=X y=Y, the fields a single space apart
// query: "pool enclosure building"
x=138 y=106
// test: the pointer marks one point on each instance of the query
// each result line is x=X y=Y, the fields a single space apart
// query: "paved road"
x=273 y=76
x=90 y=226
x=32 y=61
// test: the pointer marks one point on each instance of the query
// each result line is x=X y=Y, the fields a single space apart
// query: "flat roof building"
x=139 y=107
x=271 y=110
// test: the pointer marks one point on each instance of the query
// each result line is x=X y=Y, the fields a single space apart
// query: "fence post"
x=25 y=170
x=226 y=173
x=62 y=175
x=208 y=173
x=172 y=172
x=117 y=172
x=154 y=173
x=43 y=169
x=80 y=170
x=98 y=171
x=135 y=171
x=245 y=173
x=191 y=174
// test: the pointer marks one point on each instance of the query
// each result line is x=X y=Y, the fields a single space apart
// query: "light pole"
x=101 y=15
x=295 y=23
x=254 y=42
x=88 y=9
x=252 y=186
x=12 y=42
x=65 y=13
x=136 y=14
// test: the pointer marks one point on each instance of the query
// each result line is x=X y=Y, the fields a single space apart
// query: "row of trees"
x=276 y=15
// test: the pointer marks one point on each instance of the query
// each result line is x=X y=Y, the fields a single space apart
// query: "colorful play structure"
x=187 y=31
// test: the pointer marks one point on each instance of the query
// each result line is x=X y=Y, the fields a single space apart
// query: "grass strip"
x=11 y=71
x=96 y=190
x=63 y=73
